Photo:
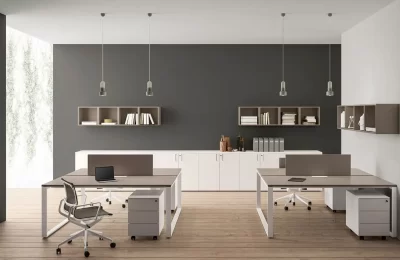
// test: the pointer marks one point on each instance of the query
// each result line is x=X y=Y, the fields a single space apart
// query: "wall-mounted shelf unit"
x=279 y=116
x=95 y=116
x=378 y=118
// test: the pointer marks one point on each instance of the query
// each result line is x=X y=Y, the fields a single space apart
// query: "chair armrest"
x=90 y=204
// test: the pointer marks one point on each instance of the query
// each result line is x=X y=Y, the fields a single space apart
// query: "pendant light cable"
x=283 y=46
x=102 y=46
x=149 y=45
x=330 y=48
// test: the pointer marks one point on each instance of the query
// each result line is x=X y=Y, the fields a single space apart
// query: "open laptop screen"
x=104 y=173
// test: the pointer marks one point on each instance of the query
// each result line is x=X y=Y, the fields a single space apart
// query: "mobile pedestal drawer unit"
x=368 y=213
x=146 y=213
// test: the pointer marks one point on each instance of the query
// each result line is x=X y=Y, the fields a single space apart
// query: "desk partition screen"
x=318 y=165
x=124 y=164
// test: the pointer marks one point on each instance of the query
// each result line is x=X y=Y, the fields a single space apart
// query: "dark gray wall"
x=199 y=88
x=3 y=170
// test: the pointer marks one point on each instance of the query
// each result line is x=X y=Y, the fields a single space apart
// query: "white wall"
x=371 y=74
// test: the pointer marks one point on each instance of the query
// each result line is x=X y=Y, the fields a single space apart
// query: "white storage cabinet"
x=146 y=213
x=368 y=213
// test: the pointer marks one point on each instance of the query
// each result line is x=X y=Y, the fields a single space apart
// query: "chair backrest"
x=70 y=194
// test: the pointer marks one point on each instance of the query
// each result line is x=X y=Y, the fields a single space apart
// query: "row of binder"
x=268 y=144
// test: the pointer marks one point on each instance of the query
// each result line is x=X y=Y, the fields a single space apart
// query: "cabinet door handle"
x=262 y=156
x=222 y=156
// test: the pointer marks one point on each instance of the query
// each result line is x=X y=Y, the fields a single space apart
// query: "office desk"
x=162 y=178
x=276 y=178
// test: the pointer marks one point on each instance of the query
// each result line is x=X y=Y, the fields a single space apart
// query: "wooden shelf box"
x=88 y=114
x=384 y=118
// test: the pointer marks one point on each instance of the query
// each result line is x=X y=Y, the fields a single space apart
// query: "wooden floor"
x=212 y=225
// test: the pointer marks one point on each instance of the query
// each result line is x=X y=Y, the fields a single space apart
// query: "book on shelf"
x=131 y=119
x=309 y=123
x=113 y=123
x=288 y=123
x=264 y=119
x=370 y=129
x=88 y=123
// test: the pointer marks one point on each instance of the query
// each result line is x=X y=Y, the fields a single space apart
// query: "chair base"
x=110 y=196
x=291 y=198
x=84 y=233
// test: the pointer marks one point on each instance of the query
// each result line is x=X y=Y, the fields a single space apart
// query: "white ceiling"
x=187 y=21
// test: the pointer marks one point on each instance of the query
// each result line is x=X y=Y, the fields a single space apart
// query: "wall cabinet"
x=229 y=174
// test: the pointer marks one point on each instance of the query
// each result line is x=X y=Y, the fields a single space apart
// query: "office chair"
x=291 y=198
x=85 y=216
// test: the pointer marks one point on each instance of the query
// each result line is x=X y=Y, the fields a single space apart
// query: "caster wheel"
x=69 y=242
x=112 y=245
x=334 y=211
x=294 y=203
x=87 y=254
x=126 y=200
x=109 y=202
x=275 y=203
x=309 y=208
x=123 y=206
x=383 y=238
x=361 y=238
x=286 y=208
x=290 y=201
x=133 y=238
x=100 y=238
x=310 y=203
x=58 y=251
x=155 y=238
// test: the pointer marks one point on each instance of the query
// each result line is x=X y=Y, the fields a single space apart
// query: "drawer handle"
x=387 y=201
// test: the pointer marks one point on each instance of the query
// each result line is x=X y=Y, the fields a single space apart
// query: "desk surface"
x=282 y=172
x=161 y=178
x=366 y=181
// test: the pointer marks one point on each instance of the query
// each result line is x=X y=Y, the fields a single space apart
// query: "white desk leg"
x=45 y=233
x=179 y=193
x=83 y=193
x=44 y=212
x=168 y=228
x=393 y=233
x=258 y=191
x=270 y=213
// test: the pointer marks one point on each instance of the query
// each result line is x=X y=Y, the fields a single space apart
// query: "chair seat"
x=90 y=212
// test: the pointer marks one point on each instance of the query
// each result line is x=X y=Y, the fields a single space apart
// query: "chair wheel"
x=123 y=206
x=155 y=238
x=109 y=202
x=310 y=203
x=87 y=254
x=58 y=251
x=286 y=208
x=334 y=211
x=275 y=203
x=112 y=245
x=294 y=203
x=100 y=238
x=133 y=238
x=69 y=242
x=309 y=208
x=383 y=238
x=126 y=200
x=362 y=238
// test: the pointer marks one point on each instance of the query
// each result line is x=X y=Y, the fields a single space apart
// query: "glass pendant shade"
x=283 y=92
x=149 y=89
x=329 y=91
x=103 y=91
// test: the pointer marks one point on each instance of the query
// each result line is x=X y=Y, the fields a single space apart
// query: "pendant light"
x=149 y=89
x=283 y=91
x=329 y=91
x=103 y=91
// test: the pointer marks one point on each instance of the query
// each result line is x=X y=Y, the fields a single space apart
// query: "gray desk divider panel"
x=124 y=164
x=318 y=165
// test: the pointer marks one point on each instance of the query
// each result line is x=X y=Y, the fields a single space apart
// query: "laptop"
x=103 y=174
